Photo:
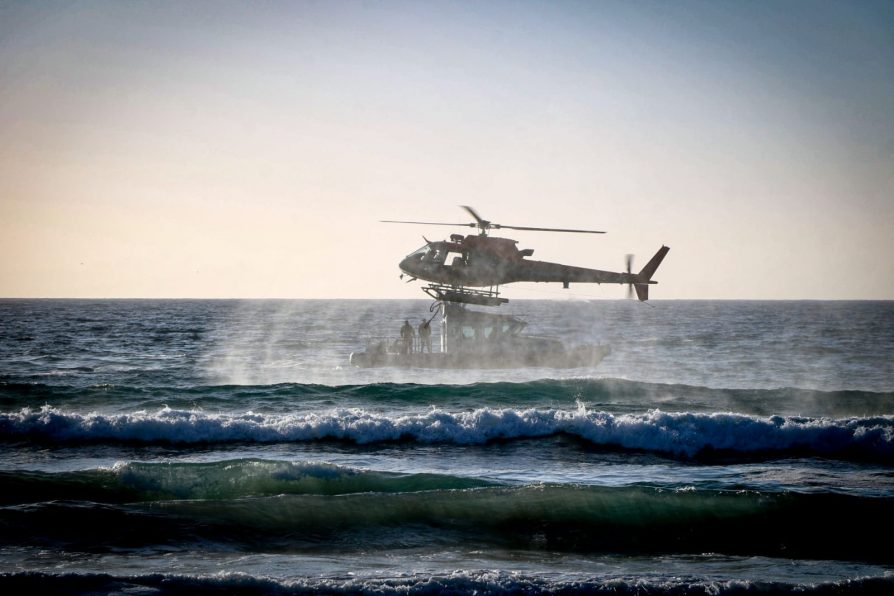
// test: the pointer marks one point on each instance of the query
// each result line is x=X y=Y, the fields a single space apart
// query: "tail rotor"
x=629 y=263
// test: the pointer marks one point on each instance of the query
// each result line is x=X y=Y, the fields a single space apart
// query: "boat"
x=473 y=339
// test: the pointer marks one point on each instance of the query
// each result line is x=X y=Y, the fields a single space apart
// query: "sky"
x=250 y=149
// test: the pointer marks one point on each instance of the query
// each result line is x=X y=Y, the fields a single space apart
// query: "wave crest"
x=229 y=479
x=677 y=434
x=481 y=582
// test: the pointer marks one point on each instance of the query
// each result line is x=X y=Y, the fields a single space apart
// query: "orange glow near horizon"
x=233 y=151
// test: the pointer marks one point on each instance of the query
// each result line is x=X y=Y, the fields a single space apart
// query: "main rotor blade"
x=498 y=226
x=430 y=223
x=482 y=223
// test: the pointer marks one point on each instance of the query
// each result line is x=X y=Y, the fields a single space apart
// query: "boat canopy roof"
x=464 y=316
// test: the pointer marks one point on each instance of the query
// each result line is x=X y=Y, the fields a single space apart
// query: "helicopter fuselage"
x=479 y=261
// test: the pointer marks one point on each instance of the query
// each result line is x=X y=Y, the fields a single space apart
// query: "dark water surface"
x=171 y=446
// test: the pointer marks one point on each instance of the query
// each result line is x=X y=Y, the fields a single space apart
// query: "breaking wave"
x=482 y=583
x=684 y=435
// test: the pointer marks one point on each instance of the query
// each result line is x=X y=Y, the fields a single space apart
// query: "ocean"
x=227 y=446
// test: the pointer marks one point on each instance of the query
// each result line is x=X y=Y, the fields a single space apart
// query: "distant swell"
x=231 y=479
x=538 y=517
x=677 y=434
x=608 y=394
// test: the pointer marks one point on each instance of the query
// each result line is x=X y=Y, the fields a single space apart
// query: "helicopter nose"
x=406 y=266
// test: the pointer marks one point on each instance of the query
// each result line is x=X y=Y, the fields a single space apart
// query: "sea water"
x=170 y=446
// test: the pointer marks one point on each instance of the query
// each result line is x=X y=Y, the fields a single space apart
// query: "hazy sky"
x=192 y=149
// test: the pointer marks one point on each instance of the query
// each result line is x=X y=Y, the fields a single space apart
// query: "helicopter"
x=479 y=260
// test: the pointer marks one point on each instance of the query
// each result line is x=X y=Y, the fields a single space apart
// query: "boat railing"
x=391 y=344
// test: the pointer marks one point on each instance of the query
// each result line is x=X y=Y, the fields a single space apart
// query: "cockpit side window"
x=420 y=252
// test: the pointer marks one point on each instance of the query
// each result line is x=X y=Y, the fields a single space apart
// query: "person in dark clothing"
x=406 y=335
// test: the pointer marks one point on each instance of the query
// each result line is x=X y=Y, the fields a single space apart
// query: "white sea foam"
x=685 y=434
x=477 y=581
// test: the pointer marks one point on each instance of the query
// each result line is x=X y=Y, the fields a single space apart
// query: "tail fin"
x=646 y=273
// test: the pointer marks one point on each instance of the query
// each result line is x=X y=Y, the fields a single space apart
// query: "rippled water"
x=228 y=445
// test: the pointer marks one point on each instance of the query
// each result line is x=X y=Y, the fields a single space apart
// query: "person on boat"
x=425 y=336
x=406 y=335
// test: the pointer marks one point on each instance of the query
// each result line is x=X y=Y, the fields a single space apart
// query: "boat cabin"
x=464 y=330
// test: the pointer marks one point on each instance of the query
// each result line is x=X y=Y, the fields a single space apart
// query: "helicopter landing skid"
x=444 y=293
